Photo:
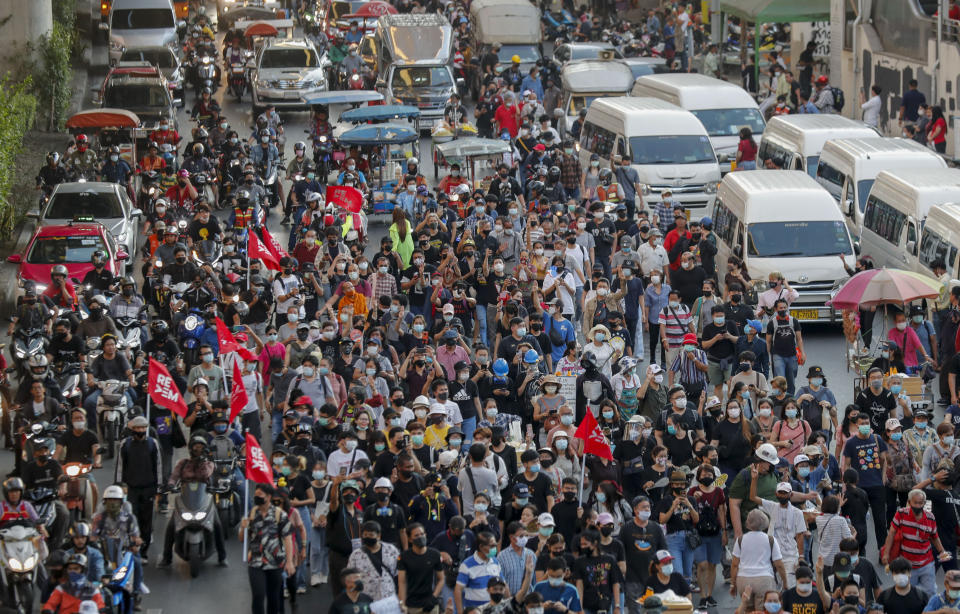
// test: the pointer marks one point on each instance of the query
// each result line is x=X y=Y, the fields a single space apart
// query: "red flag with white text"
x=258 y=468
x=257 y=251
x=346 y=197
x=238 y=396
x=272 y=245
x=163 y=390
x=225 y=338
x=594 y=441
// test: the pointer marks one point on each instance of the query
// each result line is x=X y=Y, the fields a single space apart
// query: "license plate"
x=291 y=95
x=805 y=314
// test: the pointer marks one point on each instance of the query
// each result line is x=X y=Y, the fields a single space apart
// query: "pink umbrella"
x=885 y=287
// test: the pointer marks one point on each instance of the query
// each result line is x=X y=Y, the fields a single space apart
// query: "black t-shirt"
x=35 y=476
x=540 y=488
x=77 y=447
x=856 y=506
x=598 y=574
x=418 y=296
x=110 y=369
x=784 y=336
x=676 y=583
x=65 y=351
x=724 y=348
x=794 y=603
x=421 y=569
x=464 y=395
x=912 y=603
x=868 y=575
x=602 y=236
x=198 y=231
x=732 y=447
x=946 y=506
x=565 y=515
x=406 y=491
x=688 y=284
x=391 y=520
x=641 y=545
x=488 y=286
x=680 y=449
x=614 y=549
x=680 y=519
x=878 y=407
x=344 y=605
x=299 y=487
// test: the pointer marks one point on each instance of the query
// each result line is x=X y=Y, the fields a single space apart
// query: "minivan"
x=896 y=209
x=784 y=221
x=141 y=23
x=940 y=240
x=722 y=107
x=794 y=142
x=583 y=81
x=668 y=146
x=848 y=167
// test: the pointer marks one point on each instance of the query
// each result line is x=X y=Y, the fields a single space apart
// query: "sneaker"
x=323 y=578
x=164 y=563
x=301 y=590
x=694 y=587
x=315 y=580
x=223 y=563
x=711 y=602
x=286 y=593
x=702 y=604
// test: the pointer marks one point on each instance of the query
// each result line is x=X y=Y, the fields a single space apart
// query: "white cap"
x=801 y=458
x=892 y=423
x=383 y=483
x=654 y=369
x=88 y=607
x=437 y=408
x=546 y=520
x=447 y=458
x=766 y=452
x=784 y=487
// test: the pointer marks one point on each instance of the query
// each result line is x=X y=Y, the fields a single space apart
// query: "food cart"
x=474 y=155
x=381 y=139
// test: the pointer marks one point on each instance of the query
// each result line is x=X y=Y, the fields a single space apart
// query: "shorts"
x=717 y=376
x=710 y=550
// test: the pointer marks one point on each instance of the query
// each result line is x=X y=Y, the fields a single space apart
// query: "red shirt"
x=54 y=293
x=942 y=124
x=506 y=118
x=669 y=241
x=916 y=535
x=748 y=150
x=304 y=253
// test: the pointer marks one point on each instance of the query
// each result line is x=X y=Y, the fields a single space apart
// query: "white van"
x=722 y=107
x=784 y=221
x=896 y=209
x=141 y=23
x=940 y=240
x=668 y=146
x=583 y=81
x=794 y=142
x=848 y=167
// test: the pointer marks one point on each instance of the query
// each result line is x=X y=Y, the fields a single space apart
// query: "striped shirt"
x=513 y=566
x=687 y=367
x=832 y=528
x=916 y=535
x=473 y=576
x=677 y=322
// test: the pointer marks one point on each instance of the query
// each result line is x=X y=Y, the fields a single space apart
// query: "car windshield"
x=98 y=205
x=812 y=162
x=142 y=19
x=590 y=52
x=289 y=58
x=798 y=239
x=135 y=96
x=421 y=76
x=339 y=9
x=863 y=191
x=580 y=102
x=727 y=122
x=161 y=58
x=669 y=149
x=527 y=53
x=63 y=250
x=640 y=70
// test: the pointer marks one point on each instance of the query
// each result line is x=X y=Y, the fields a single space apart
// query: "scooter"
x=189 y=333
x=119 y=575
x=112 y=412
x=225 y=495
x=193 y=518
x=44 y=502
x=19 y=546
x=130 y=336
x=76 y=492
x=27 y=343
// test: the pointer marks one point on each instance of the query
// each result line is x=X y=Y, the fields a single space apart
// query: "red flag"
x=273 y=246
x=256 y=250
x=258 y=468
x=225 y=338
x=246 y=354
x=594 y=442
x=346 y=197
x=163 y=391
x=238 y=396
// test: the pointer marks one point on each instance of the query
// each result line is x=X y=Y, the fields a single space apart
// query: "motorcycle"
x=69 y=377
x=27 y=343
x=19 y=543
x=270 y=183
x=225 y=496
x=202 y=182
x=44 y=501
x=168 y=151
x=76 y=492
x=193 y=539
x=189 y=333
x=118 y=577
x=130 y=336
x=112 y=412
x=208 y=252
x=323 y=157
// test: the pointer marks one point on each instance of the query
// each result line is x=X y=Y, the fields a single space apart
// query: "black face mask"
x=496 y=597
x=140 y=434
x=369 y=542
x=258 y=500
x=96 y=313
x=851 y=600
x=349 y=498
x=181 y=259
x=420 y=542
x=302 y=335
x=383 y=497
x=783 y=500
x=569 y=496
x=606 y=531
x=736 y=298
x=707 y=480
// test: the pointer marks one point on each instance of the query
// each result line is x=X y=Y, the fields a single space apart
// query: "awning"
x=777 y=11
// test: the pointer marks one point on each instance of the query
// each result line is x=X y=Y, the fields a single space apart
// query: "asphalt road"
x=227 y=590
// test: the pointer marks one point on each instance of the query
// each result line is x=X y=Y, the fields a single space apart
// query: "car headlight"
x=187 y=515
x=710 y=187
x=838 y=284
x=14 y=564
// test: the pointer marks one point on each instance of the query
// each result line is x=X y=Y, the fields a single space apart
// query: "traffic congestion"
x=487 y=307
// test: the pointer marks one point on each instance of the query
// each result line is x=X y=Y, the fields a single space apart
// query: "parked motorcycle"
x=194 y=511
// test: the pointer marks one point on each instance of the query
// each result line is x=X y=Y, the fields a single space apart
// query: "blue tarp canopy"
x=380 y=113
x=346 y=97
x=380 y=134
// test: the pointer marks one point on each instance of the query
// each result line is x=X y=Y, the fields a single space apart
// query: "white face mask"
x=734 y=412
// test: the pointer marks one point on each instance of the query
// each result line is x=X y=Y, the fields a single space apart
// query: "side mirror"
x=75 y=280
x=96 y=97
x=856 y=247
x=122 y=255
x=34 y=213
x=136 y=213
x=849 y=206
x=178 y=102
x=461 y=82
x=912 y=247
x=104 y=26
x=14 y=258
x=380 y=84
x=181 y=25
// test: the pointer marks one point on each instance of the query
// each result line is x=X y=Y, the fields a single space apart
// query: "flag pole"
x=248 y=259
x=148 y=406
x=246 y=503
x=583 y=471
x=223 y=371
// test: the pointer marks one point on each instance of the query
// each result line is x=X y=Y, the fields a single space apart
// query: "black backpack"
x=709 y=523
x=838 y=99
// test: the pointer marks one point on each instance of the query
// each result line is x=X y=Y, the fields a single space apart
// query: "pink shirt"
x=909 y=342
x=277 y=351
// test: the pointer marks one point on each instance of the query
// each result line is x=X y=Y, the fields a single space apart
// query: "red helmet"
x=82 y=142
x=328 y=220
x=822 y=80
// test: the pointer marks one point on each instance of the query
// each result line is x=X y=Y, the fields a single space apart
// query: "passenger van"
x=940 y=239
x=141 y=23
x=896 y=209
x=848 y=167
x=668 y=146
x=794 y=142
x=784 y=221
x=722 y=107
x=583 y=81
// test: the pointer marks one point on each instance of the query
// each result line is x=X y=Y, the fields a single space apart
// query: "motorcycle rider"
x=98 y=324
x=553 y=190
x=264 y=157
x=199 y=163
x=30 y=314
x=51 y=174
x=354 y=35
x=115 y=170
x=204 y=227
x=218 y=136
x=99 y=279
x=300 y=165
x=183 y=192
x=79 y=444
x=139 y=466
x=153 y=161
x=118 y=524
x=69 y=597
x=14 y=508
x=243 y=216
x=83 y=161
x=34 y=404
x=61 y=291
x=129 y=304
x=197 y=468
x=226 y=444
x=166 y=251
x=352 y=63
x=320 y=126
x=110 y=365
x=79 y=535
x=454 y=114
x=162 y=135
x=65 y=347
x=44 y=472
x=39 y=368
x=203 y=109
x=338 y=50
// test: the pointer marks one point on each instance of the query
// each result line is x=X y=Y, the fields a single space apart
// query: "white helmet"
x=113 y=492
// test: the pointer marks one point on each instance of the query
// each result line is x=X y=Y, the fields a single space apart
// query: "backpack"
x=838 y=99
x=709 y=523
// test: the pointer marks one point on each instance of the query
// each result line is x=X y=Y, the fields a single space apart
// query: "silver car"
x=287 y=75
x=106 y=203
x=163 y=58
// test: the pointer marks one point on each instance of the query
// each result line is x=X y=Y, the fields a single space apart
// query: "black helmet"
x=554 y=173
x=114 y=150
x=153 y=145
x=198 y=438
x=98 y=258
x=57 y=558
x=54 y=157
x=207 y=90
x=159 y=328
x=536 y=185
x=12 y=484
x=218 y=416
x=588 y=361
x=606 y=176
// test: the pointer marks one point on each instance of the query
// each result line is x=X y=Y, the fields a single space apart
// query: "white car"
x=287 y=75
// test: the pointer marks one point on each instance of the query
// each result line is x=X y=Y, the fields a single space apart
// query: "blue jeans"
x=482 y=325
x=276 y=422
x=787 y=367
x=469 y=426
x=638 y=338
x=747 y=165
x=925 y=578
x=681 y=553
x=319 y=555
x=304 y=511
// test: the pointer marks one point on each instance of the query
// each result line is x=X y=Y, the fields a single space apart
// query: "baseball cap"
x=604 y=518
x=383 y=483
x=842 y=562
x=892 y=423
x=767 y=453
x=664 y=556
x=546 y=520
x=801 y=458
x=812 y=451
x=784 y=487
x=522 y=490
x=690 y=339
x=448 y=308
x=437 y=408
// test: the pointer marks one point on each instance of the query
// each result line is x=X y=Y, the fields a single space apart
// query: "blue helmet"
x=500 y=367
x=531 y=357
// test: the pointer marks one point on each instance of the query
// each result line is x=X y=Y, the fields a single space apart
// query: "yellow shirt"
x=436 y=437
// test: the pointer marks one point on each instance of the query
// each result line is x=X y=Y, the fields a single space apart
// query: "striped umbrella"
x=885 y=287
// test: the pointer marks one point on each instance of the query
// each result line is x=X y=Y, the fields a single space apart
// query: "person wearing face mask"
x=642 y=539
x=907 y=340
x=663 y=576
x=271 y=549
x=789 y=526
x=867 y=454
x=946 y=448
x=140 y=467
x=504 y=188
x=99 y=323
x=420 y=576
x=784 y=343
x=903 y=597
x=917 y=529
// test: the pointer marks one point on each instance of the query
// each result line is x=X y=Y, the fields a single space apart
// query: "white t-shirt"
x=566 y=296
x=575 y=258
x=871 y=111
x=339 y=459
x=253 y=385
x=786 y=523
x=753 y=550
x=283 y=286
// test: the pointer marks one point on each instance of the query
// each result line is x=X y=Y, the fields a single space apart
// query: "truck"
x=514 y=25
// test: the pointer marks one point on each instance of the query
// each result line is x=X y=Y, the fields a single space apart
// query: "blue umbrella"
x=380 y=134
x=380 y=113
